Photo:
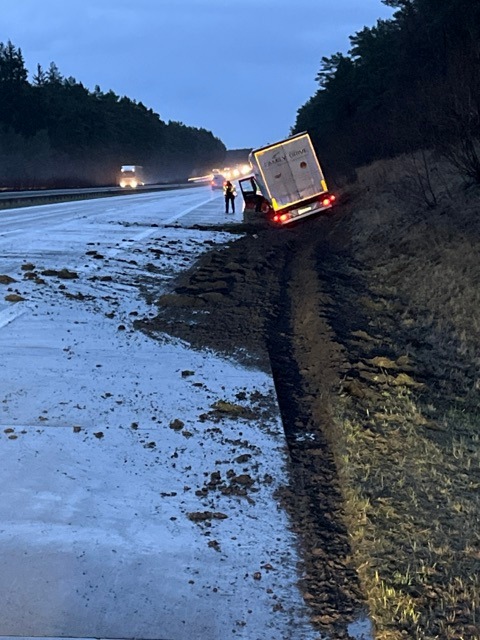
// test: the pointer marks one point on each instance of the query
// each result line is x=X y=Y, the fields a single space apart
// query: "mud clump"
x=4 y=279
x=14 y=297
x=64 y=274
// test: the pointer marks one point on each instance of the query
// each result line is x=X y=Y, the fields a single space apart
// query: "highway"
x=10 y=197
x=183 y=206
x=113 y=451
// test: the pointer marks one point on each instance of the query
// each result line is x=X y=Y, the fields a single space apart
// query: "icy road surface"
x=138 y=475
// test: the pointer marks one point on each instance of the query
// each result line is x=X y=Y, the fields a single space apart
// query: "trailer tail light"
x=280 y=218
x=328 y=200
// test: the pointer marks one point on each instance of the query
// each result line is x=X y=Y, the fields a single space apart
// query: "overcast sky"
x=239 y=68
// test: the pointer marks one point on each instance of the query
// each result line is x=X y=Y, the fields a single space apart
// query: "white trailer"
x=288 y=181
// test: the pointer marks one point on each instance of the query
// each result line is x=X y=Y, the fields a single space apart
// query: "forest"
x=54 y=132
x=408 y=83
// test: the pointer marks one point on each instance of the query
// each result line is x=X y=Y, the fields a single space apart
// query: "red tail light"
x=284 y=217
x=326 y=202
x=332 y=198
x=276 y=218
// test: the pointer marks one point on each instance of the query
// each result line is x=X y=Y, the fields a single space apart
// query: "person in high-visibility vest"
x=230 y=193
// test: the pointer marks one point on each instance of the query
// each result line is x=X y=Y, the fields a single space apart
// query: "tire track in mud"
x=305 y=362
x=264 y=293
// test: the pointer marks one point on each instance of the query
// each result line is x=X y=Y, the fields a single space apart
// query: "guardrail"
x=10 y=199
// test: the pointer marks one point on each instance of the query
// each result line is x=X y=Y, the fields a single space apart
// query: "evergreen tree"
x=55 y=132
x=12 y=65
x=406 y=83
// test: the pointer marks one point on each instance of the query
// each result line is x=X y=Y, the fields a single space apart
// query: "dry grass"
x=414 y=508
x=429 y=257
x=410 y=461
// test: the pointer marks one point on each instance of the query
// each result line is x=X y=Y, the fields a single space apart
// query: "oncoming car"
x=217 y=181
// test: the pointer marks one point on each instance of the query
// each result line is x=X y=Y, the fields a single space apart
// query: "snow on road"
x=138 y=476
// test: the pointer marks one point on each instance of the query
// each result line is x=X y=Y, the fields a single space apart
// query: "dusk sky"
x=240 y=69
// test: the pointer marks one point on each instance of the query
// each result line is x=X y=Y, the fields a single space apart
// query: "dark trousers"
x=229 y=198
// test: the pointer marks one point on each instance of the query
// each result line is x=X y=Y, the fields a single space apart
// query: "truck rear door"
x=291 y=171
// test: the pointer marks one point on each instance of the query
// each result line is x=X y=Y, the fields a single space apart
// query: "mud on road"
x=363 y=399
x=252 y=301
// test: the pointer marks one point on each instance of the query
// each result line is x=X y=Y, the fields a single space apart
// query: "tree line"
x=410 y=82
x=55 y=132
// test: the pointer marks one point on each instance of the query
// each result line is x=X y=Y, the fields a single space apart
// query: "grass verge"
x=408 y=407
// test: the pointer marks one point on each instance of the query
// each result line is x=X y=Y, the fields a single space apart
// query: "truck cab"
x=131 y=176
x=252 y=196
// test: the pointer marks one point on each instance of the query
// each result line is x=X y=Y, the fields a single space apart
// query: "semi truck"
x=131 y=175
x=287 y=181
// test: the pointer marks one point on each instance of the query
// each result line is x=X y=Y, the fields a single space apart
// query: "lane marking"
x=189 y=210
x=9 y=314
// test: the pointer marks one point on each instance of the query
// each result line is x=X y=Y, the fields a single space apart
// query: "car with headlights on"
x=217 y=181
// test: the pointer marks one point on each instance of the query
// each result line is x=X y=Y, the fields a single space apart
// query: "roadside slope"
x=403 y=298
x=370 y=318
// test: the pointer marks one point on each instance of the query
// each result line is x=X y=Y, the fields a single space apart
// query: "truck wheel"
x=265 y=208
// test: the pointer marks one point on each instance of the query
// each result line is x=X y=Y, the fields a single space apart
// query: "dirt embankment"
x=407 y=297
x=369 y=321
x=242 y=301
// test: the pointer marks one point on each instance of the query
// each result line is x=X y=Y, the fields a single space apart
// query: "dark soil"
x=295 y=302
x=239 y=302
